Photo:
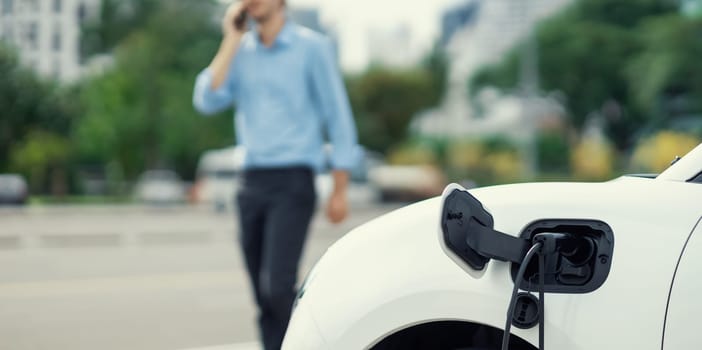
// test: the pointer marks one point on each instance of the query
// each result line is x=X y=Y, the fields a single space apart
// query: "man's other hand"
x=337 y=207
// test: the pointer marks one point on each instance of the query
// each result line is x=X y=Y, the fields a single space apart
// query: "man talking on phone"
x=288 y=92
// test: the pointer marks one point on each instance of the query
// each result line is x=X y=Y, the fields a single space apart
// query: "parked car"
x=13 y=189
x=160 y=187
x=407 y=182
x=611 y=265
x=218 y=172
x=361 y=190
x=216 y=177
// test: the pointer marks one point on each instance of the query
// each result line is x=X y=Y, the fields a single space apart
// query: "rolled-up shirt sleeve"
x=207 y=100
x=334 y=106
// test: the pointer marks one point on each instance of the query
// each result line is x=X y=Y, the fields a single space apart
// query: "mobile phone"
x=240 y=21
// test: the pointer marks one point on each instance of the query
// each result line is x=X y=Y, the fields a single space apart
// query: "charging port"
x=578 y=263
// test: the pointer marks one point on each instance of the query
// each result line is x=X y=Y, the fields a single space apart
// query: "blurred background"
x=120 y=231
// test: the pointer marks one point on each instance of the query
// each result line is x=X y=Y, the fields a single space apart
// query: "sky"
x=353 y=19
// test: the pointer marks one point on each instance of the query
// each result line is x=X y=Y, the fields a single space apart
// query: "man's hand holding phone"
x=234 y=22
x=233 y=28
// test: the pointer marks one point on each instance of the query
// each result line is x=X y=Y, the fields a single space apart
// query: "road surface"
x=129 y=277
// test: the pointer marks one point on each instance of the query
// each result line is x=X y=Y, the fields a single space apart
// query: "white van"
x=217 y=175
x=217 y=179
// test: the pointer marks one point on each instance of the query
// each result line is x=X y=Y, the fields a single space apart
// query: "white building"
x=496 y=27
x=46 y=33
x=392 y=47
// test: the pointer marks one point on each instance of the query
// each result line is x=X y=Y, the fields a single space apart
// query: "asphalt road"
x=128 y=277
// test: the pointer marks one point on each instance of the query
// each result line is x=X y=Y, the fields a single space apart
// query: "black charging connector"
x=577 y=249
x=575 y=255
x=578 y=258
x=550 y=241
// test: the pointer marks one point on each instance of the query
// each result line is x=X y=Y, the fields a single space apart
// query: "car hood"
x=393 y=272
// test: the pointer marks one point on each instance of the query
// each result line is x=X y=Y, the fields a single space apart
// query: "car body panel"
x=393 y=272
x=685 y=308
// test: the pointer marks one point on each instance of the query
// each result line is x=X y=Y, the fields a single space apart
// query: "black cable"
x=542 y=304
x=513 y=301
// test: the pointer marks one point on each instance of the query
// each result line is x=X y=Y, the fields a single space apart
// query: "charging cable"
x=543 y=244
x=517 y=282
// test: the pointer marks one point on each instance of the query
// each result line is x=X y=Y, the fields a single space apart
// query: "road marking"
x=238 y=346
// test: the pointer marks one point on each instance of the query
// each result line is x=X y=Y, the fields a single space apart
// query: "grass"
x=48 y=200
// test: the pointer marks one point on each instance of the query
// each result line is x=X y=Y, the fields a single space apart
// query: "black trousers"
x=275 y=209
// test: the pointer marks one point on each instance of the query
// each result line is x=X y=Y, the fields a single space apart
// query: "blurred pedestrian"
x=288 y=92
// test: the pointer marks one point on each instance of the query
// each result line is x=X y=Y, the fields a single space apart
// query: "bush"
x=554 y=152
x=413 y=154
x=486 y=162
x=592 y=159
x=655 y=153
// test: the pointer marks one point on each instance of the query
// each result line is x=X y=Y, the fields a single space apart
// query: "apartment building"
x=477 y=33
x=46 y=34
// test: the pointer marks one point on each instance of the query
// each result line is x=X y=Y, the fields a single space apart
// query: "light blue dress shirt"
x=288 y=98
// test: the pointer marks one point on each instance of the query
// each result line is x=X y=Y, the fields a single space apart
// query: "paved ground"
x=126 y=277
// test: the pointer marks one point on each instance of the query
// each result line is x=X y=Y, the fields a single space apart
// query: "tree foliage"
x=140 y=114
x=384 y=100
x=115 y=21
x=27 y=104
x=603 y=53
x=43 y=156
x=436 y=65
x=666 y=72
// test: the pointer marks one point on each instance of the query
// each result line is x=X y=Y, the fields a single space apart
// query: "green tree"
x=666 y=73
x=584 y=52
x=28 y=104
x=140 y=114
x=44 y=156
x=385 y=100
x=436 y=65
x=115 y=21
x=624 y=14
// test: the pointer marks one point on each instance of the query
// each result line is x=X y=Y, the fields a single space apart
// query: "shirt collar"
x=284 y=37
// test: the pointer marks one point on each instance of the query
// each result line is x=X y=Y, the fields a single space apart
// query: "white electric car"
x=610 y=265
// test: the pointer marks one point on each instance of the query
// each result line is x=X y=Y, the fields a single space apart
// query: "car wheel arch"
x=446 y=335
